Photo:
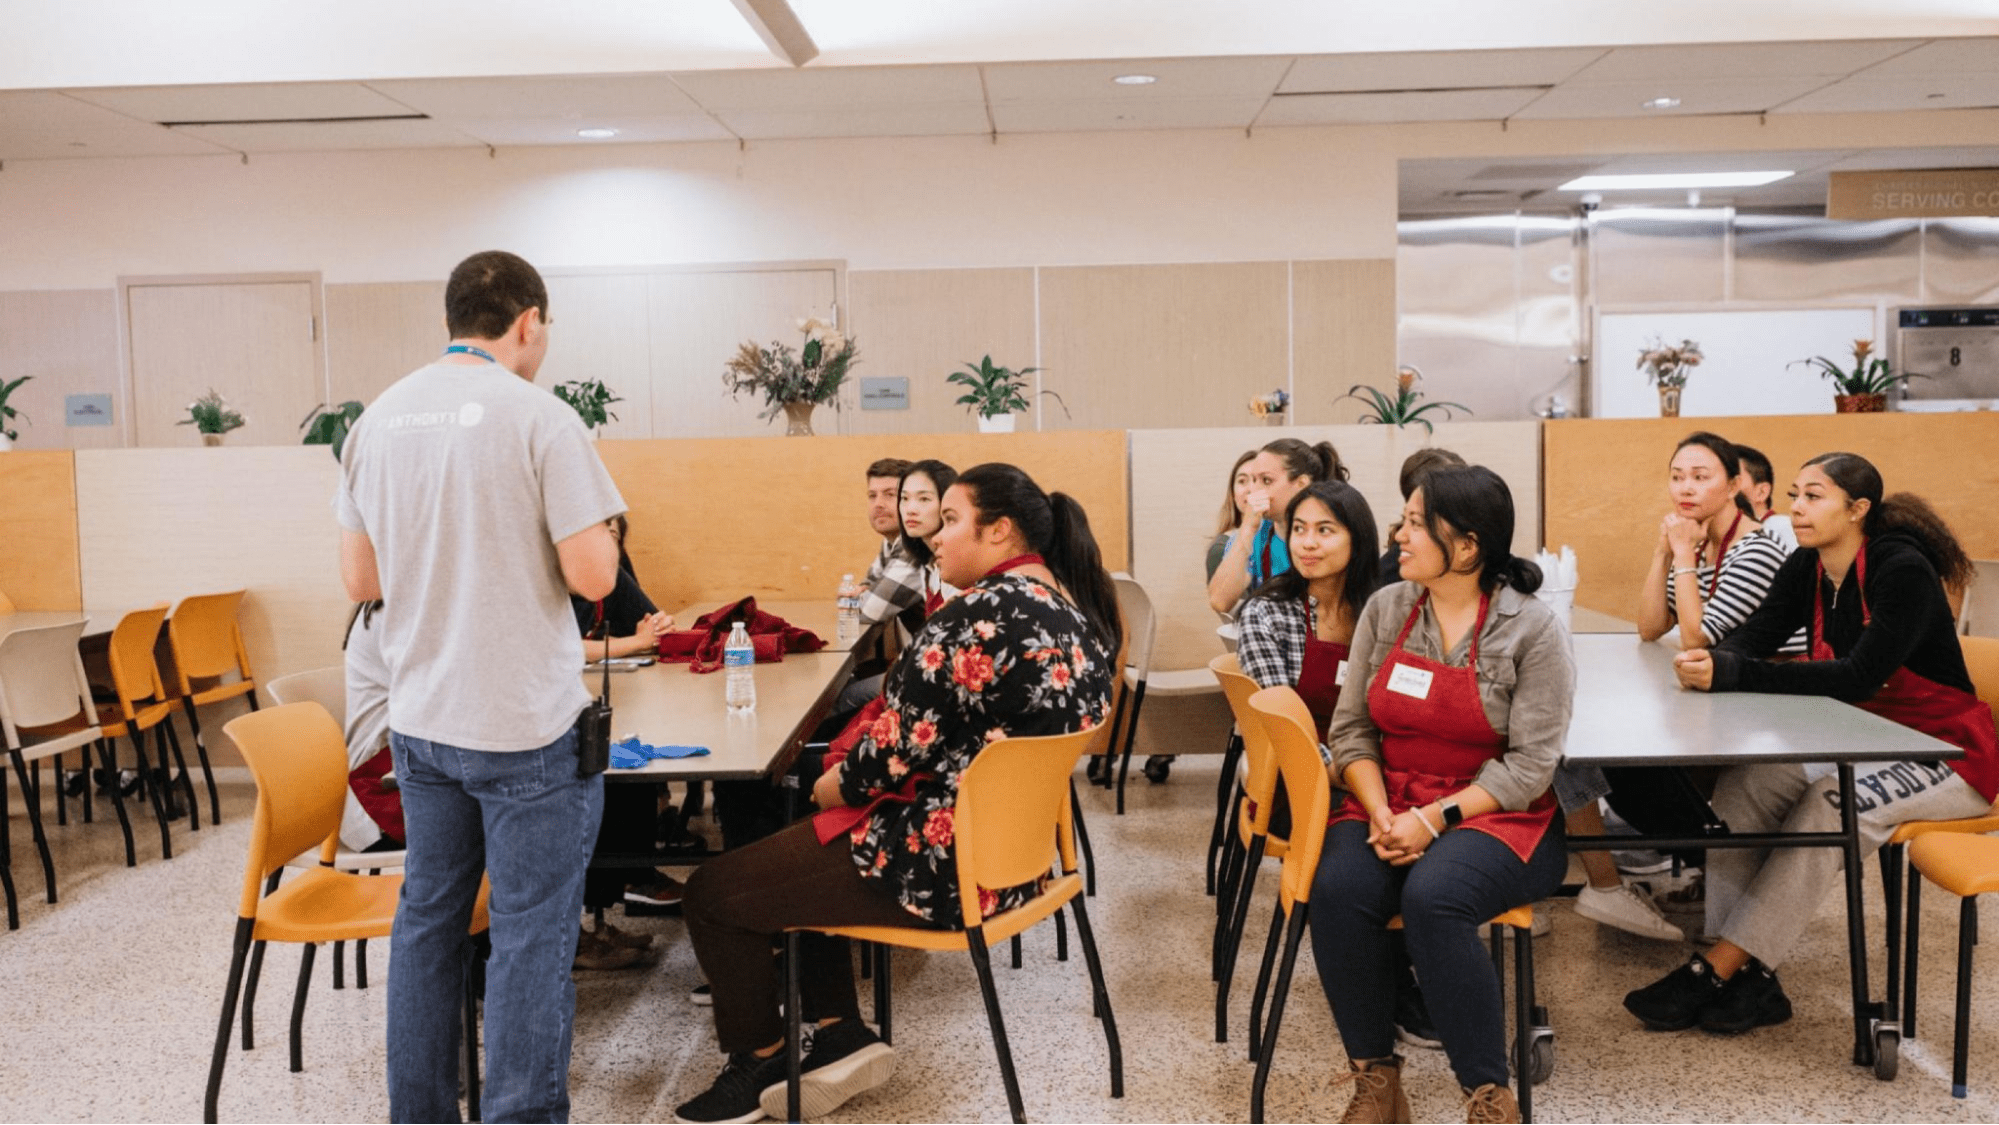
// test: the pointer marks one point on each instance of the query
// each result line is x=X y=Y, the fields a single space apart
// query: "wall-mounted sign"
x=885 y=392
x=86 y=410
x=1937 y=194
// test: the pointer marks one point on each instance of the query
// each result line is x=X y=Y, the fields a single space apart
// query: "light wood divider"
x=924 y=324
x=38 y=556
x=785 y=518
x=1343 y=324
x=377 y=333
x=1606 y=479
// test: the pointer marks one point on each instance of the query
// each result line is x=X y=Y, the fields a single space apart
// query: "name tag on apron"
x=1412 y=682
x=1340 y=676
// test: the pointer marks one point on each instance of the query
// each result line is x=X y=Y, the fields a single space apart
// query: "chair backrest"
x=324 y=686
x=1012 y=820
x=41 y=679
x=1260 y=782
x=298 y=757
x=1980 y=614
x=1981 y=660
x=1287 y=724
x=6 y=603
x=1140 y=625
x=207 y=642
x=135 y=671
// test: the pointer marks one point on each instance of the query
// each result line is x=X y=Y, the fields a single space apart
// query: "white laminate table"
x=1631 y=711
x=669 y=704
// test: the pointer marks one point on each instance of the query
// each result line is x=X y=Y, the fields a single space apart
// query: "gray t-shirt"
x=465 y=477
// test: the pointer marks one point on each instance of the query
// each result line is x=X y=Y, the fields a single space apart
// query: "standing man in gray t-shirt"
x=473 y=504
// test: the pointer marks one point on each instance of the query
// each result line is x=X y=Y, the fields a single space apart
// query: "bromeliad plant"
x=328 y=425
x=812 y=373
x=591 y=400
x=210 y=415
x=1668 y=367
x=1870 y=374
x=1407 y=405
x=8 y=413
x=992 y=390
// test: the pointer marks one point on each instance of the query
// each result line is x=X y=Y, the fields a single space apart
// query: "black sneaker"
x=842 y=1060
x=1752 y=998
x=1676 y=1001
x=735 y=1092
x=1412 y=1017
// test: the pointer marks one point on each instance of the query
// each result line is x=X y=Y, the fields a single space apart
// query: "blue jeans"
x=526 y=820
x=1461 y=882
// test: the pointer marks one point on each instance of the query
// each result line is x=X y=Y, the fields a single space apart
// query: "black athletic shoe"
x=845 y=1059
x=1412 y=1017
x=1676 y=1001
x=1750 y=999
x=735 y=1094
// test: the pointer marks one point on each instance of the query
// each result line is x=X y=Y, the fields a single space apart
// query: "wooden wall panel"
x=600 y=332
x=698 y=320
x=924 y=324
x=1343 y=320
x=1163 y=345
x=255 y=342
x=379 y=332
x=1606 y=479
x=67 y=340
x=38 y=565
x=722 y=517
x=1178 y=479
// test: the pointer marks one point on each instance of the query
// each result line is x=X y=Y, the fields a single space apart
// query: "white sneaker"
x=1627 y=910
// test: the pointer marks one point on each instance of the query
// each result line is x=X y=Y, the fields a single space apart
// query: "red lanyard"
x=1818 y=636
x=1016 y=562
x=1714 y=580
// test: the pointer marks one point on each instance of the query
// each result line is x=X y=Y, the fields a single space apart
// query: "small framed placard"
x=86 y=410
x=885 y=392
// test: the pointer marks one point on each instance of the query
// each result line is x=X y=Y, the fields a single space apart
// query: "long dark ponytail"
x=1905 y=512
x=1056 y=528
x=1320 y=462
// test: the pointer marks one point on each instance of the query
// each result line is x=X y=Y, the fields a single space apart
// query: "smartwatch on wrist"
x=1453 y=815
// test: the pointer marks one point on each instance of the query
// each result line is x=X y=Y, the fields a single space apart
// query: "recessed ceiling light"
x=597 y=134
x=1135 y=79
x=1681 y=180
x=1662 y=103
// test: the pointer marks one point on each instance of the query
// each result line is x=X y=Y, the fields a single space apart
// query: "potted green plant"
x=1668 y=368
x=995 y=393
x=591 y=400
x=790 y=380
x=1862 y=389
x=212 y=417
x=1407 y=405
x=1271 y=407
x=328 y=425
x=8 y=434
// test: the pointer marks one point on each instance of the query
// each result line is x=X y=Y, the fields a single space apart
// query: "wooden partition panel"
x=1606 y=479
x=1343 y=318
x=379 y=332
x=38 y=567
x=67 y=341
x=786 y=517
x=924 y=324
x=1179 y=482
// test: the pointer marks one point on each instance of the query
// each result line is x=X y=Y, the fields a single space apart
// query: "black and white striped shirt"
x=1746 y=570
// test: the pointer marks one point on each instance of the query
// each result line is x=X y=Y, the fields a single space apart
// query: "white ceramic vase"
x=996 y=423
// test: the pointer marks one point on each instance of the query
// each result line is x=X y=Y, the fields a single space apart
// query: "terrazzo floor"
x=110 y=1001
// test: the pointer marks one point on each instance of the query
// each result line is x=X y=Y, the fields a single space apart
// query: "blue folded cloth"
x=632 y=753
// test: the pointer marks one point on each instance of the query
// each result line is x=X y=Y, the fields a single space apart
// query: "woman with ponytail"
x=1867 y=582
x=1462 y=687
x=1027 y=648
x=1277 y=473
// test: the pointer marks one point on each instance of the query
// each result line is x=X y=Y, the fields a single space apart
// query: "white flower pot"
x=6 y=443
x=996 y=423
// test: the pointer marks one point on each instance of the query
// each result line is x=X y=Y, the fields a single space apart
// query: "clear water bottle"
x=739 y=662
x=850 y=608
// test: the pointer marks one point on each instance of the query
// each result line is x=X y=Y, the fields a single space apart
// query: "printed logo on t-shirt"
x=470 y=414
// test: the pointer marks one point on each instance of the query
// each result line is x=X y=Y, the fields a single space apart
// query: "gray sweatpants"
x=1762 y=899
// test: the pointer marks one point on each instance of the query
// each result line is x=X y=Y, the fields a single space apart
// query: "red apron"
x=1319 y=679
x=1952 y=714
x=1433 y=746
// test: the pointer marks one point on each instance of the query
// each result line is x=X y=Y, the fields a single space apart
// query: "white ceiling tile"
x=812 y=90
x=1429 y=105
x=1178 y=79
x=861 y=121
x=632 y=95
x=1727 y=60
x=1942 y=56
x=136 y=139
x=1867 y=94
x=252 y=102
x=330 y=136
x=1080 y=116
x=562 y=130
x=48 y=110
x=1436 y=70
x=1697 y=96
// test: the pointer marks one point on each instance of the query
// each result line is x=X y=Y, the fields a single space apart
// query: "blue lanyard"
x=468 y=349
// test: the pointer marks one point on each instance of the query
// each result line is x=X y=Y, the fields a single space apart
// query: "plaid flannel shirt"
x=894 y=583
x=1272 y=648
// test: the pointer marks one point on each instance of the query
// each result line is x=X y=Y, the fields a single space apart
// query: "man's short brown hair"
x=888 y=467
x=488 y=292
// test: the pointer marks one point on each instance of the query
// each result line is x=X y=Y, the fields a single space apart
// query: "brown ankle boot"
x=1491 y=1103
x=1377 y=1092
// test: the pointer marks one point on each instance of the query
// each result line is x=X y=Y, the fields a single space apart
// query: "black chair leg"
x=229 y=993
x=298 y=1006
x=361 y=963
x=1130 y=739
x=884 y=994
x=1523 y=1020
x=7 y=863
x=1891 y=892
x=250 y=995
x=166 y=728
x=1911 y=944
x=1294 y=934
x=62 y=791
x=1967 y=939
x=1234 y=858
x=31 y=796
x=1015 y=943
x=1083 y=840
x=794 y=1032
x=1224 y=804
x=1107 y=761
x=110 y=761
x=1102 y=997
x=982 y=961
x=1061 y=936
x=1262 y=993
x=152 y=791
x=339 y=965
x=1232 y=935
x=201 y=752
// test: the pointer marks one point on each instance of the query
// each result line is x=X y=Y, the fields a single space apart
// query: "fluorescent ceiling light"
x=597 y=134
x=1135 y=79
x=1663 y=180
x=1668 y=102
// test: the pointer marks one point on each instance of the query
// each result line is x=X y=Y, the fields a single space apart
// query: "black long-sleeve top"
x=1911 y=627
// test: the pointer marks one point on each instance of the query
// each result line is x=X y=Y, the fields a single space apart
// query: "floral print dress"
x=1008 y=656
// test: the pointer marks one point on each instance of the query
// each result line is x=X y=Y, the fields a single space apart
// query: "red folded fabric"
x=701 y=647
x=384 y=806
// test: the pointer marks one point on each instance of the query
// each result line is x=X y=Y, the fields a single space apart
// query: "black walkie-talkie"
x=593 y=726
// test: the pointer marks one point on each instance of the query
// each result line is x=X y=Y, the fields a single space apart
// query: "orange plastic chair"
x=298 y=757
x=1012 y=824
x=1247 y=846
x=1294 y=744
x=1966 y=866
x=6 y=603
x=140 y=705
x=207 y=646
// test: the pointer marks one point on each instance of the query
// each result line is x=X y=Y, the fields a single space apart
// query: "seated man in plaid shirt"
x=893 y=587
